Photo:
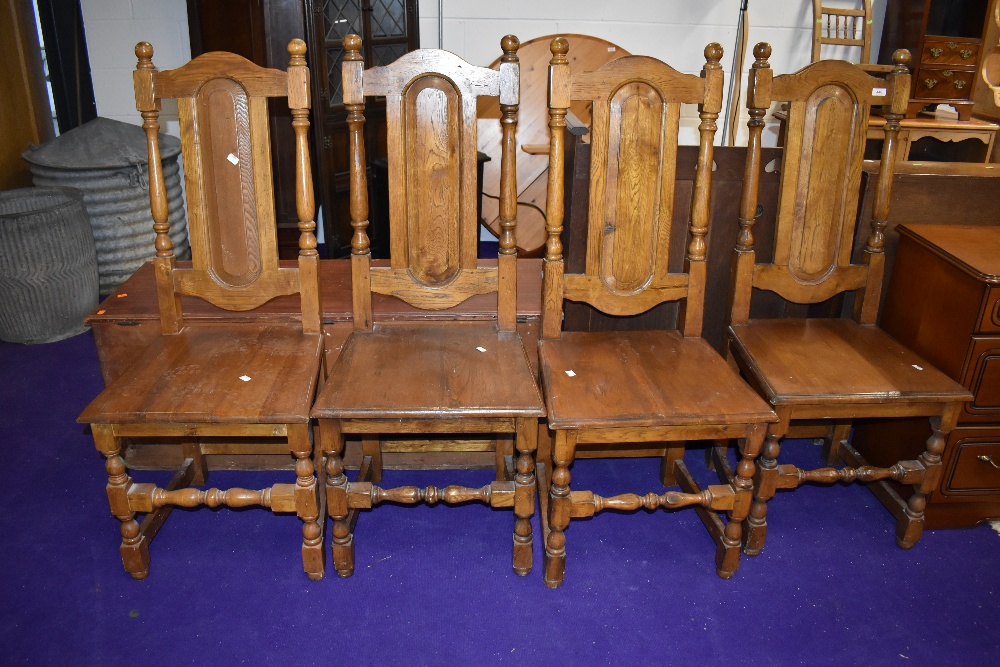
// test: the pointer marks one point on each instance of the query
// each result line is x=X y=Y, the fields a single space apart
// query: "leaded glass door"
x=388 y=29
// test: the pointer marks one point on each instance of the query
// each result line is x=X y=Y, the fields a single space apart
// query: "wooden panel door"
x=388 y=28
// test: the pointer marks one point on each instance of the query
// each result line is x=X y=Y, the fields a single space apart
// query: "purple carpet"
x=435 y=586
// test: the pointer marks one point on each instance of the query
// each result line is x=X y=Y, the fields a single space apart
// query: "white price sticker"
x=879 y=92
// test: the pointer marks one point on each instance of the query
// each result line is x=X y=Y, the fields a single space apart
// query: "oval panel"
x=432 y=158
x=230 y=210
x=827 y=142
x=635 y=153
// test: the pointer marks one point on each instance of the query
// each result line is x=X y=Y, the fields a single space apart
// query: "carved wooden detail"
x=223 y=127
x=433 y=180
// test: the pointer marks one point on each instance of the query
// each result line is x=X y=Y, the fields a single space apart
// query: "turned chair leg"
x=524 y=494
x=559 y=508
x=135 y=545
x=307 y=505
x=727 y=557
x=336 y=497
x=911 y=525
x=765 y=480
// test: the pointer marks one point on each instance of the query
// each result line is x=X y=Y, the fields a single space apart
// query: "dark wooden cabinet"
x=945 y=40
x=388 y=29
x=943 y=302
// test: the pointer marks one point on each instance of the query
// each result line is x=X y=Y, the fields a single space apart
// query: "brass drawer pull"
x=952 y=45
x=959 y=85
x=936 y=53
x=930 y=83
x=946 y=72
x=965 y=54
x=988 y=459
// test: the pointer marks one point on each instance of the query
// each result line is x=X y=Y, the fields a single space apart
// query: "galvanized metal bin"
x=48 y=265
x=106 y=160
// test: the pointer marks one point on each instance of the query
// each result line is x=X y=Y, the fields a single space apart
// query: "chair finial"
x=559 y=48
x=352 y=44
x=510 y=44
x=713 y=54
x=761 y=51
x=900 y=58
x=144 y=52
x=297 y=51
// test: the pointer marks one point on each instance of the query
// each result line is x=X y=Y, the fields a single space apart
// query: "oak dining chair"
x=208 y=388
x=821 y=373
x=439 y=377
x=625 y=391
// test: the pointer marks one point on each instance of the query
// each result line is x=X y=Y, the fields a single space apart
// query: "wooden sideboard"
x=943 y=302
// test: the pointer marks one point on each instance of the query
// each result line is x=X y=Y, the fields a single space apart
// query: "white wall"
x=113 y=28
x=675 y=31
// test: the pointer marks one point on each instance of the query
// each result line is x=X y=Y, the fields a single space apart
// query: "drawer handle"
x=959 y=85
x=988 y=459
x=936 y=53
x=952 y=45
x=965 y=54
x=946 y=72
x=930 y=83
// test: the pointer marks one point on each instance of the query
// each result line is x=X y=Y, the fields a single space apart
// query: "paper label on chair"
x=245 y=378
x=919 y=368
x=235 y=160
x=879 y=92
x=571 y=374
x=481 y=349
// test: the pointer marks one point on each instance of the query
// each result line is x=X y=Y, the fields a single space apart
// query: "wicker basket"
x=48 y=265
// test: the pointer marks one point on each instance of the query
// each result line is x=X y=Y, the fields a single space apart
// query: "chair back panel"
x=627 y=253
x=231 y=249
x=223 y=112
x=435 y=215
x=431 y=100
x=636 y=104
x=828 y=107
x=819 y=191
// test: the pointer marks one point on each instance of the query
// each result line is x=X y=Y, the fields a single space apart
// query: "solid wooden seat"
x=837 y=360
x=656 y=378
x=618 y=393
x=199 y=373
x=209 y=388
x=433 y=377
x=451 y=370
x=819 y=375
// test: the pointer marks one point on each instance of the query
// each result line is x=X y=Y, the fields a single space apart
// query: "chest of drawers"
x=943 y=302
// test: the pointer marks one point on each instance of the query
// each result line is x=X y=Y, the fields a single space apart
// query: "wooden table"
x=128 y=320
x=940 y=125
x=943 y=302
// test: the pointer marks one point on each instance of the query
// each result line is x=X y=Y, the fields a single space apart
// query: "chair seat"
x=642 y=378
x=216 y=374
x=837 y=361
x=430 y=370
